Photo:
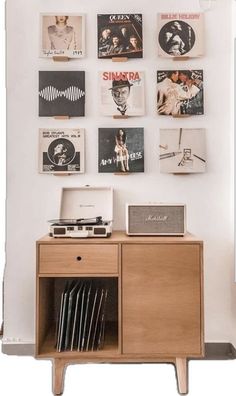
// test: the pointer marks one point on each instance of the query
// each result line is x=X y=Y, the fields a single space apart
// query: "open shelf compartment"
x=99 y=328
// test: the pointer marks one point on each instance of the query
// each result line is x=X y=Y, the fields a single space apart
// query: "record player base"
x=154 y=309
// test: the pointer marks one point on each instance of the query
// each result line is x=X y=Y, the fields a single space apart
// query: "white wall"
x=32 y=198
x=2 y=151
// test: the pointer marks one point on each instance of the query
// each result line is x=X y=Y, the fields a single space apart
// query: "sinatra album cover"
x=180 y=34
x=61 y=93
x=120 y=35
x=182 y=150
x=122 y=93
x=62 y=35
x=61 y=150
x=180 y=92
x=120 y=150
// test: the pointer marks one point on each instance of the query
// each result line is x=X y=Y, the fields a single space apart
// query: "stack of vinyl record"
x=81 y=319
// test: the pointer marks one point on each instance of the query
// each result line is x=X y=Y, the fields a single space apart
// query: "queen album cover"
x=61 y=93
x=180 y=92
x=120 y=35
x=180 y=34
x=61 y=150
x=122 y=93
x=182 y=150
x=62 y=35
x=120 y=150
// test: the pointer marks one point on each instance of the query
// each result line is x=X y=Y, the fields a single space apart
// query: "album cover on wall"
x=180 y=34
x=61 y=150
x=61 y=93
x=122 y=93
x=120 y=35
x=182 y=150
x=62 y=35
x=180 y=92
x=120 y=150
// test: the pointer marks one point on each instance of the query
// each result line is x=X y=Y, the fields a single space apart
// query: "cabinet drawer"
x=78 y=259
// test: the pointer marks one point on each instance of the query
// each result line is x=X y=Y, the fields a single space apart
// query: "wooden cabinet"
x=161 y=296
x=155 y=306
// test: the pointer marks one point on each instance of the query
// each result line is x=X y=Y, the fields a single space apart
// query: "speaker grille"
x=163 y=219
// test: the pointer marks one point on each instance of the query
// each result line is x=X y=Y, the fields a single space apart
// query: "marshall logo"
x=159 y=219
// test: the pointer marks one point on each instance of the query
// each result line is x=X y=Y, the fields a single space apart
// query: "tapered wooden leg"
x=58 y=373
x=182 y=375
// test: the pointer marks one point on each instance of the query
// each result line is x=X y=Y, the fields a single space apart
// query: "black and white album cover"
x=180 y=92
x=180 y=35
x=61 y=93
x=182 y=150
x=122 y=93
x=120 y=150
x=120 y=35
x=62 y=35
x=61 y=150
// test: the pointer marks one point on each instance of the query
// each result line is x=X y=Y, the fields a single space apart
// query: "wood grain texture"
x=182 y=375
x=121 y=237
x=65 y=259
x=162 y=299
x=159 y=299
x=58 y=374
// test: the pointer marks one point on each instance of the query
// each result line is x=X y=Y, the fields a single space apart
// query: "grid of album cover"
x=62 y=94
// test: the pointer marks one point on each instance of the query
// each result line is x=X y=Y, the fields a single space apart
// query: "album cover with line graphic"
x=61 y=93
x=61 y=150
x=182 y=150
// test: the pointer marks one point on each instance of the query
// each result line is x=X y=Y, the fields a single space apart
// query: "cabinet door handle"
x=78 y=258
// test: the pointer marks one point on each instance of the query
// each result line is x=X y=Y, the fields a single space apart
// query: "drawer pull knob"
x=79 y=258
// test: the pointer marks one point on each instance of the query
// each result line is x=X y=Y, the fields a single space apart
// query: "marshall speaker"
x=155 y=219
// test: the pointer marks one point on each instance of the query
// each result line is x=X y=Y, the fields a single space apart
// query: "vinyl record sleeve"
x=180 y=34
x=62 y=330
x=62 y=35
x=180 y=92
x=70 y=315
x=61 y=150
x=61 y=93
x=120 y=150
x=122 y=93
x=120 y=35
x=182 y=150
x=76 y=320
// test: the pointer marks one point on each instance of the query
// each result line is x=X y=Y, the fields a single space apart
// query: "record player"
x=86 y=212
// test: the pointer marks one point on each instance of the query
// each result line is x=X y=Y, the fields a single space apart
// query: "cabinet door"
x=161 y=299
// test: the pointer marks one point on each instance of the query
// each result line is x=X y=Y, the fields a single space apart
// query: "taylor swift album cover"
x=180 y=34
x=62 y=35
x=120 y=35
x=61 y=93
x=182 y=150
x=61 y=150
x=180 y=92
x=122 y=93
x=120 y=150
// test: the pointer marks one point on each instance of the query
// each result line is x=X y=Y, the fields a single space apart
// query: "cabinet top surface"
x=121 y=237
